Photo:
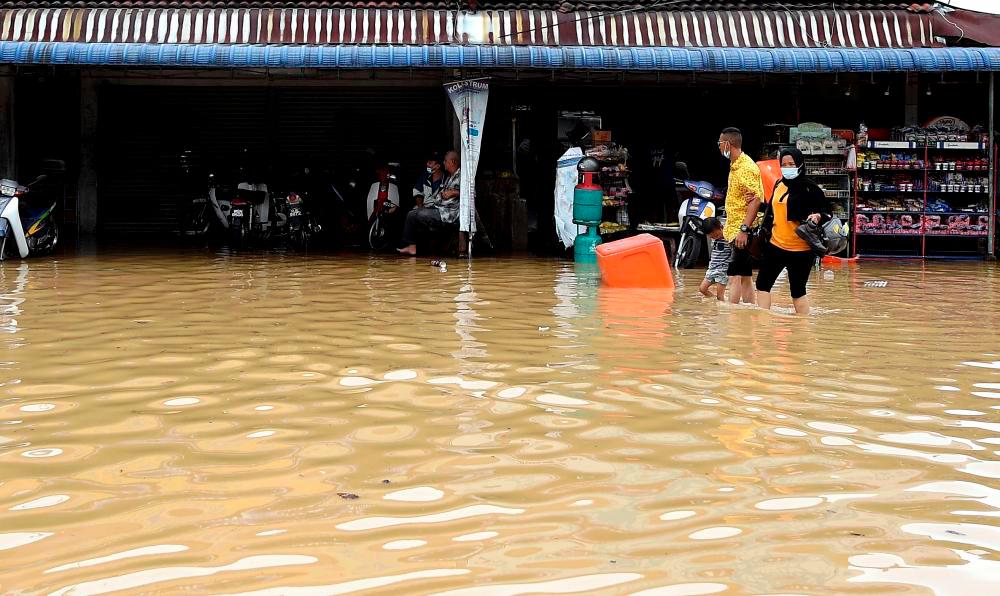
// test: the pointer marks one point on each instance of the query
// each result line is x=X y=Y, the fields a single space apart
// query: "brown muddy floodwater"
x=280 y=424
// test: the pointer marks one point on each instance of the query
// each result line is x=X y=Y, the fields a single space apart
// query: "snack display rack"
x=830 y=172
x=617 y=190
x=932 y=197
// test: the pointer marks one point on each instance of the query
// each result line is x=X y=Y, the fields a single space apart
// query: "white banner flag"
x=469 y=99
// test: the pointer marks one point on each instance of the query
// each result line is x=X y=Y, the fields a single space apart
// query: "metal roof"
x=330 y=26
x=534 y=57
x=564 y=5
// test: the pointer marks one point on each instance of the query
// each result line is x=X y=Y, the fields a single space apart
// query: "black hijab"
x=805 y=197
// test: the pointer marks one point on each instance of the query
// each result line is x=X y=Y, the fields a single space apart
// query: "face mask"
x=430 y=170
x=727 y=154
x=790 y=173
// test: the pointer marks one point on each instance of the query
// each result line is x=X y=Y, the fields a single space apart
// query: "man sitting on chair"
x=443 y=209
x=426 y=189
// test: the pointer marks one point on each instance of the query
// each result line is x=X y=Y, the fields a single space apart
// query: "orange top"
x=783 y=233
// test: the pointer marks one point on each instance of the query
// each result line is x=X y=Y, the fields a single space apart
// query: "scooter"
x=209 y=211
x=42 y=232
x=695 y=209
x=382 y=202
x=248 y=218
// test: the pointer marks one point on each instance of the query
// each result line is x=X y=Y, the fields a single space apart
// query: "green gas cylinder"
x=585 y=246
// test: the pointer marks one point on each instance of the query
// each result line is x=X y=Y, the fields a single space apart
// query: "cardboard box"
x=601 y=136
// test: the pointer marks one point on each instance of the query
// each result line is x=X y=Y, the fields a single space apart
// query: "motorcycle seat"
x=254 y=197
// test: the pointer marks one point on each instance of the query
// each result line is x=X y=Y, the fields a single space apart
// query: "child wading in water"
x=722 y=253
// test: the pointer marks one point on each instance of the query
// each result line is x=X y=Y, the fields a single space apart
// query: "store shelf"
x=957 y=145
x=949 y=235
x=862 y=171
x=887 y=212
x=915 y=233
x=970 y=213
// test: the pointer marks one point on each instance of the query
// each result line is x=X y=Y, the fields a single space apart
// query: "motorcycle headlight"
x=8 y=191
x=704 y=193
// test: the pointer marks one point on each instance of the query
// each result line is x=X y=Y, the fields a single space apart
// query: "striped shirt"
x=722 y=253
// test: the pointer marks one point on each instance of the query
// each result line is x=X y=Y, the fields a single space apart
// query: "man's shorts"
x=717 y=277
x=742 y=263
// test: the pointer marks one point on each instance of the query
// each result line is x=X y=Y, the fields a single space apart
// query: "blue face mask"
x=790 y=173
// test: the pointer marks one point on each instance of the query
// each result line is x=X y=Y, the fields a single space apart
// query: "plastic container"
x=636 y=262
x=770 y=173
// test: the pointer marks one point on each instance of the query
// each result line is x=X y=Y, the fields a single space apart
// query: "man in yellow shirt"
x=743 y=198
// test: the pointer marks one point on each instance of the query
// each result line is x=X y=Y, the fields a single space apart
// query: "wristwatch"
x=745 y=229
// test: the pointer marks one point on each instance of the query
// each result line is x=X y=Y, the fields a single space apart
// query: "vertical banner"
x=469 y=100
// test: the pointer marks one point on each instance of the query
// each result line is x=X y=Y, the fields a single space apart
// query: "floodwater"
x=280 y=424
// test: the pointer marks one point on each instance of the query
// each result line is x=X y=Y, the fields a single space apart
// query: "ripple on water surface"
x=280 y=423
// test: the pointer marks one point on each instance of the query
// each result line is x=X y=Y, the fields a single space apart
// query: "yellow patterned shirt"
x=744 y=186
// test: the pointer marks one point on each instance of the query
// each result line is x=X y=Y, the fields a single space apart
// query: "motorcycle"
x=695 y=209
x=249 y=219
x=33 y=229
x=301 y=224
x=383 y=202
x=208 y=212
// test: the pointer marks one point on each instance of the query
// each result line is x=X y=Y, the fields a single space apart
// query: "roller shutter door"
x=157 y=144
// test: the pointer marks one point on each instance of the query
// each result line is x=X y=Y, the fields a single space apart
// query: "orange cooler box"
x=636 y=262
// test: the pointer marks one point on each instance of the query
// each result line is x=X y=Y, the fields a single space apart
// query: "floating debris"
x=878 y=283
x=348 y=496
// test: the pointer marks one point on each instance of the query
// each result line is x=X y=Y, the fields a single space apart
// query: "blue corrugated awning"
x=543 y=57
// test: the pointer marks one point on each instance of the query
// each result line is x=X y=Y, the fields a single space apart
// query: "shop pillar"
x=86 y=202
x=911 y=94
x=991 y=249
x=7 y=162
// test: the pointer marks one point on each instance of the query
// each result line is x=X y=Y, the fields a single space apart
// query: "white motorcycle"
x=42 y=233
x=694 y=210
x=382 y=203
x=211 y=210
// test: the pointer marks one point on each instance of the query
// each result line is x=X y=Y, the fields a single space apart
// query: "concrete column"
x=86 y=197
x=912 y=94
x=7 y=162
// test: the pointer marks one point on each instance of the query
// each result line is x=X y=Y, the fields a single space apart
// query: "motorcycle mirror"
x=41 y=178
x=53 y=166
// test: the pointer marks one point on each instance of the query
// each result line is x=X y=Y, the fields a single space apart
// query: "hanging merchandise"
x=566 y=177
x=615 y=183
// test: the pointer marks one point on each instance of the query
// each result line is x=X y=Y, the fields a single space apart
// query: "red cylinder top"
x=588 y=180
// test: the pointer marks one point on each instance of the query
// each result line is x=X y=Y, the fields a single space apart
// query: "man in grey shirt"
x=443 y=210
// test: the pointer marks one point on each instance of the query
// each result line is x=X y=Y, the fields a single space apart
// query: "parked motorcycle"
x=249 y=220
x=383 y=203
x=301 y=223
x=30 y=225
x=698 y=206
x=208 y=212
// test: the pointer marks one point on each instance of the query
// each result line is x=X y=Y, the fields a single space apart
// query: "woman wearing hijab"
x=796 y=199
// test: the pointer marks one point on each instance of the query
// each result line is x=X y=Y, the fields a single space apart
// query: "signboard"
x=469 y=99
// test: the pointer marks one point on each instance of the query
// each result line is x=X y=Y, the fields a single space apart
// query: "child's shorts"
x=717 y=277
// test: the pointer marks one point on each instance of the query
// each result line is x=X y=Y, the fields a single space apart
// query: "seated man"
x=442 y=212
x=429 y=184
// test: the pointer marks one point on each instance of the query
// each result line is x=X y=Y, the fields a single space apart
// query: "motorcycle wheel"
x=238 y=233
x=378 y=236
x=197 y=224
x=688 y=251
x=300 y=239
x=53 y=240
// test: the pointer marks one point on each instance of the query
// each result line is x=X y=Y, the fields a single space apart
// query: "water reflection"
x=171 y=422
